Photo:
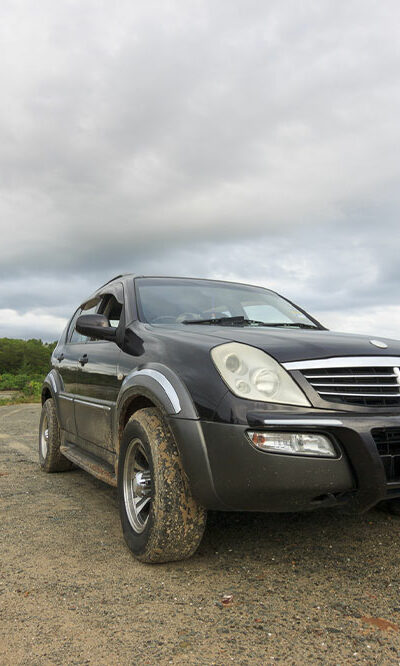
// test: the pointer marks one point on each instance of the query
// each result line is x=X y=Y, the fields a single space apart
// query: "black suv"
x=192 y=394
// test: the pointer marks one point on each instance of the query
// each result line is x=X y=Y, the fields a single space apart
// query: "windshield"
x=184 y=301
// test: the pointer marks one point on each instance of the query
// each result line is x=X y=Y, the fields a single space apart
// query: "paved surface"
x=307 y=589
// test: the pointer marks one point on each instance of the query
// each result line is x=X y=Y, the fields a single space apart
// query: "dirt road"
x=307 y=589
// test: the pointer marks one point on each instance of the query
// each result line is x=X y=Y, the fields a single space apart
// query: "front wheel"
x=161 y=520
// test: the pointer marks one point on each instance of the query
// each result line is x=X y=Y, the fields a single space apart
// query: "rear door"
x=66 y=364
x=97 y=384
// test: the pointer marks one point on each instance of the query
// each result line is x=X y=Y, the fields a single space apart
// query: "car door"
x=66 y=364
x=97 y=384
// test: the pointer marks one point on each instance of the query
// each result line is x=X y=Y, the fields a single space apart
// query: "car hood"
x=301 y=344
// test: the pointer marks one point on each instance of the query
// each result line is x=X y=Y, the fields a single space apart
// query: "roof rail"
x=112 y=280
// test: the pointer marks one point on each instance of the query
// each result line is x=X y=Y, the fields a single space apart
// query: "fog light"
x=296 y=443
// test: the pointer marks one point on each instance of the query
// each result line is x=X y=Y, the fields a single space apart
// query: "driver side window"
x=73 y=336
x=112 y=309
x=107 y=305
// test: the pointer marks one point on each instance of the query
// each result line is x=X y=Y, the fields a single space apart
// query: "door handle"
x=83 y=359
x=60 y=357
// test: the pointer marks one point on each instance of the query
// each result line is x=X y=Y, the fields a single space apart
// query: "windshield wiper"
x=286 y=324
x=218 y=321
x=242 y=321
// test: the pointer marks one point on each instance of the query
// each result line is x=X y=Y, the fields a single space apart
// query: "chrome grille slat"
x=363 y=395
x=356 y=385
x=344 y=376
x=339 y=363
x=366 y=383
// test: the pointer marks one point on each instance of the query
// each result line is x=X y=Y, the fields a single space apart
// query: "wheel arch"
x=134 y=401
x=46 y=394
x=51 y=388
x=152 y=386
x=146 y=388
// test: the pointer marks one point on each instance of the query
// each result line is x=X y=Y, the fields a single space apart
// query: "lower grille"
x=366 y=386
x=387 y=441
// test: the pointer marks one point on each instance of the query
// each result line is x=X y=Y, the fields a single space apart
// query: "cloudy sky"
x=241 y=139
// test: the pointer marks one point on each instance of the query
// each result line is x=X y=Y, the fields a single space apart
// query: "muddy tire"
x=50 y=458
x=161 y=521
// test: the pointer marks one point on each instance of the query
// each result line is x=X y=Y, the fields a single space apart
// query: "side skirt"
x=90 y=463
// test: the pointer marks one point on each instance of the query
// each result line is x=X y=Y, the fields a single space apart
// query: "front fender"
x=167 y=391
x=161 y=383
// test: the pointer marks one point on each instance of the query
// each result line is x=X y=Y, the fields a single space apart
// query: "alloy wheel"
x=137 y=485
x=44 y=438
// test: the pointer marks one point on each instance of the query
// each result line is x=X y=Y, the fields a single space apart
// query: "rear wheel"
x=161 y=520
x=50 y=457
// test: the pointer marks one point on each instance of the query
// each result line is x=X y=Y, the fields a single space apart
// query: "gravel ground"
x=318 y=588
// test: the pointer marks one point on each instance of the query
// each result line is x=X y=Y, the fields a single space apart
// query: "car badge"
x=379 y=343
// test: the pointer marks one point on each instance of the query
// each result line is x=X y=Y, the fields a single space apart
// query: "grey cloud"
x=331 y=268
x=252 y=140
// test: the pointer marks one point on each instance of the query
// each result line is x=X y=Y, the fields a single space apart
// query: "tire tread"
x=177 y=520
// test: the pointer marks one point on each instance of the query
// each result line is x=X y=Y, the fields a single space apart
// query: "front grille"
x=387 y=441
x=369 y=387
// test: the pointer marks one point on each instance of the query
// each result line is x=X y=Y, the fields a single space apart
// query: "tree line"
x=30 y=357
x=23 y=365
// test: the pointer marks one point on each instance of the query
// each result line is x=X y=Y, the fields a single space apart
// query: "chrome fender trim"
x=164 y=383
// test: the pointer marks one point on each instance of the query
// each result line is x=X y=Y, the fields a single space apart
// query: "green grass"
x=27 y=388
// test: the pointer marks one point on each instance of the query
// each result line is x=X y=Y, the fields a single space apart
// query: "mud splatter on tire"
x=176 y=521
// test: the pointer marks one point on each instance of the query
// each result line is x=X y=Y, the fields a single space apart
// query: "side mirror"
x=96 y=326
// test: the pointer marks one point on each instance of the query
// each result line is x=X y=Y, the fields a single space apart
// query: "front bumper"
x=227 y=472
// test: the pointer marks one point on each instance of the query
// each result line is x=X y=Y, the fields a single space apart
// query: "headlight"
x=253 y=374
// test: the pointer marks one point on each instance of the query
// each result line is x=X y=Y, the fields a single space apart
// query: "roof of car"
x=125 y=276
